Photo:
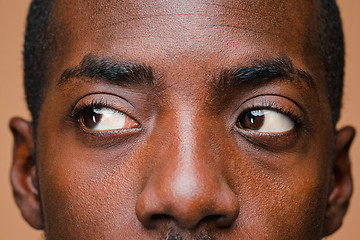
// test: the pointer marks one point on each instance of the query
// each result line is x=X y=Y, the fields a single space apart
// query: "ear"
x=23 y=173
x=341 y=186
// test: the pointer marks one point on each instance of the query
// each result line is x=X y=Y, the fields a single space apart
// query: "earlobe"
x=341 y=187
x=23 y=173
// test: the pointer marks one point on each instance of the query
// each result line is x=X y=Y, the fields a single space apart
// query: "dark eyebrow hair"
x=109 y=69
x=129 y=73
x=261 y=71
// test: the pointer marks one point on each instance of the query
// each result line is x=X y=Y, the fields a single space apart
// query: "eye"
x=104 y=119
x=263 y=120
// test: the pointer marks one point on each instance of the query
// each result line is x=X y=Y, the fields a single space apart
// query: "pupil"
x=92 y=118
x=251 y=117
x=253 y=120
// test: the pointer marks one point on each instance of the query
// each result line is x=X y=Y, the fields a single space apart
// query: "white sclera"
x=110 y=119
x=274 y=122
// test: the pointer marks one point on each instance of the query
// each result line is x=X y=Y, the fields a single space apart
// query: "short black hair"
x=40 y=44
x=37 y=50
x=333 y=52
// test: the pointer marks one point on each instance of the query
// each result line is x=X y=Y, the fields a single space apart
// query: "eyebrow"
x=129 y=73
x=262 y=71
x=109 y=69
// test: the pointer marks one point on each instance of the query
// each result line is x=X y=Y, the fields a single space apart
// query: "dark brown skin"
x=186 y=162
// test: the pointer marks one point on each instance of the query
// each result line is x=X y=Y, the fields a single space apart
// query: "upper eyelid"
x=267 y=101
x=269 y=106
x=85 y=106
x=78 y=109
x=93 y=104
x=101 y=101
x=270 y=103
x=102 y=93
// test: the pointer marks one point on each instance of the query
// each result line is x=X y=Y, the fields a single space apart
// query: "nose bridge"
x=192 y=138
x=192 y=166
x=188 y=185
x=189 y=136
x=191 y=157
x=186 y=165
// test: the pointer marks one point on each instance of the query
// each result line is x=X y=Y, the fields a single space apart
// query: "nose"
x=187 y=186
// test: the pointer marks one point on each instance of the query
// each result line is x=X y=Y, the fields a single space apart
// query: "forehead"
x=151 y=30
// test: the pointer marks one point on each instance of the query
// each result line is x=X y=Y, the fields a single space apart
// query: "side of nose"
x=187 y=186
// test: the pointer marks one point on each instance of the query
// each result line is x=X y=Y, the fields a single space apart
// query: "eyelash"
x=95 y=103
x=270 y=105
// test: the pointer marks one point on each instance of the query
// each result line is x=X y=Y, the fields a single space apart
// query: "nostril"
x=155 y=218
x=211 y=218
x=220 y=221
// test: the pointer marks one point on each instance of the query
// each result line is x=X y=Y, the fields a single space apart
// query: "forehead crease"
x=253 y=15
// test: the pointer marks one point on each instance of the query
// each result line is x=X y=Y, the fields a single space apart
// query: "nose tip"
x=188 y=202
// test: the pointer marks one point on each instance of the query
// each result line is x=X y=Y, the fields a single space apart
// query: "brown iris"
x=91 y=118
x=253 y=120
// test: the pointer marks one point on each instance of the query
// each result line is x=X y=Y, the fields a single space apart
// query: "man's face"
x=185 y=119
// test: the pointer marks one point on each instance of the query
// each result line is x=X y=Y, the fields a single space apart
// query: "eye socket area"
x=265 y=121
x=105 y=119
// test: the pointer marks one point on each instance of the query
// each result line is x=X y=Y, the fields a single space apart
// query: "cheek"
x=284 y=199
x=83 y=196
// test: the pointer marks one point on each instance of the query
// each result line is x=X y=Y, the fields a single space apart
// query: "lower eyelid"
x=271 y=141
x=108 y=139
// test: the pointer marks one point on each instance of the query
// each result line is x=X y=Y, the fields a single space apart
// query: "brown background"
x=12 y=103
